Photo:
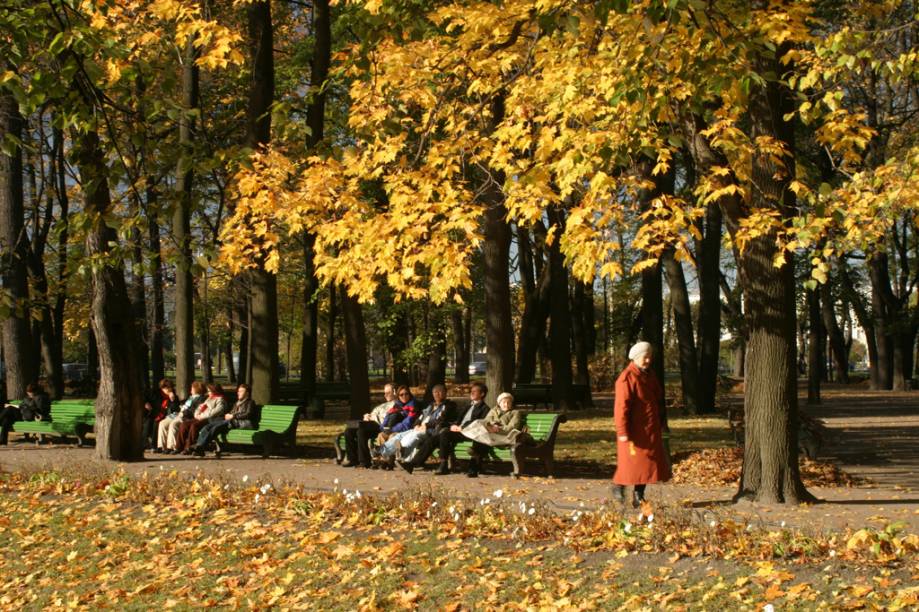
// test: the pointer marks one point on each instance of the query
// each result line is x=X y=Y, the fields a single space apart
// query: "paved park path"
x=874 y=435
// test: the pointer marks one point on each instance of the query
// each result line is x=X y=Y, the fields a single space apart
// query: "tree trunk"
x=264 y=305
x=770 y=468
x=814 y=347
x=580 y=333
x=330 y=337
x=837 y=341
x=310 y=338
x=158 y=326
x=709 y=326
x=437 y=358
x=882 y=317
x=460 y=348
x=533 y=327
x=241 y=296
x=356 y=347
x=866 y=321
x=559 y=318
x=138 y=293
x=17 y=335
x=119 y=402
x=315 y=119
x=181 y=223
x=499 y=329
x=682 y=313
x=60 y=300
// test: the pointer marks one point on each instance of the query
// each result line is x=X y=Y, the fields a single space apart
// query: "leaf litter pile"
x=112 y=541
x=721 y=466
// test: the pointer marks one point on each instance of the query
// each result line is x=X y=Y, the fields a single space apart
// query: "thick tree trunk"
x=770 y=468
x=356 y=347
x=17 y=335
x=119 y=403
x=460 y=348
x=814 y=347
x=580 y=333
x=181 y=223
x=264 y=305
x=228 y=346
x=837 y=341
x=559 y=319
x=499 y=330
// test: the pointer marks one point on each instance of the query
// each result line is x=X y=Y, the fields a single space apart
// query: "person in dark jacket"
x=441 y=414
x=35 y=407
x=448 y=436
x=243 y=415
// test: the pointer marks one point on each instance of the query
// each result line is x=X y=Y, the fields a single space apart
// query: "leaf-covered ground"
x=109 y=540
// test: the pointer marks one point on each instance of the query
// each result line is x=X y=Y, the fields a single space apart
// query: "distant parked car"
x=477 y=367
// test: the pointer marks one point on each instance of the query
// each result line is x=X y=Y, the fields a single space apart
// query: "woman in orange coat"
x=640 y=421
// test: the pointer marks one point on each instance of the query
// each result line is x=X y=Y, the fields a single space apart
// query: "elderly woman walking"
x=640 y=421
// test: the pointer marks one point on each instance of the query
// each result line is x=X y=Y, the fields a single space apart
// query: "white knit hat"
x=638 y=350
x=502 y=396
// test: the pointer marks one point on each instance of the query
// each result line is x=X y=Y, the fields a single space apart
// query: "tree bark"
x=882 y=317
x=499 y=330
x=119 y=402
x=814 y=347
x=330 y=337
x=315 y=119
x=559 y=318
x=181 y=222
x=437 y=358
x=679 y=300
x=158 y=325
x=356 y=347
x=770 y=468
x=60 y=300
x=837 y=341
x=460 y=348
x=709 y=325
x=533 y=326
x=264 y=301
x=138 y=294
x=14 y=253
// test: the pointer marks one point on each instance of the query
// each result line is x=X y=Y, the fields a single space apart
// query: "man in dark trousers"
x=449 y=436
x=35 y=407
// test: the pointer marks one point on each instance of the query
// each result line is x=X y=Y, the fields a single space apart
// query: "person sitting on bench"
x=242 y=416
x=35 y=407
x=449 y=436
x=358 y=434
x=500 y=427
x=440 y=413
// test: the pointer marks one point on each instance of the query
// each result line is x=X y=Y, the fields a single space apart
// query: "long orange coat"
x=642 y=459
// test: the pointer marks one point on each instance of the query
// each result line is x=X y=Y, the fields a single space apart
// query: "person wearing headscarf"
x=640 y=419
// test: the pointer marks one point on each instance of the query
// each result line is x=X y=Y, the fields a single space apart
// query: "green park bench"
x=277 y=427
x=543 y=427
x=68 y=418
x=540 y=394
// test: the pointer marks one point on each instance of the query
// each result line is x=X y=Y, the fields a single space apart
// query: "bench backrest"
x=66 y=411
x=277 y=418
x=541 y=424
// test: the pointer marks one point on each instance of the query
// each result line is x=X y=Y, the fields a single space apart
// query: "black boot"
x=442 y=469
x=473 y=467
x=638 y=495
